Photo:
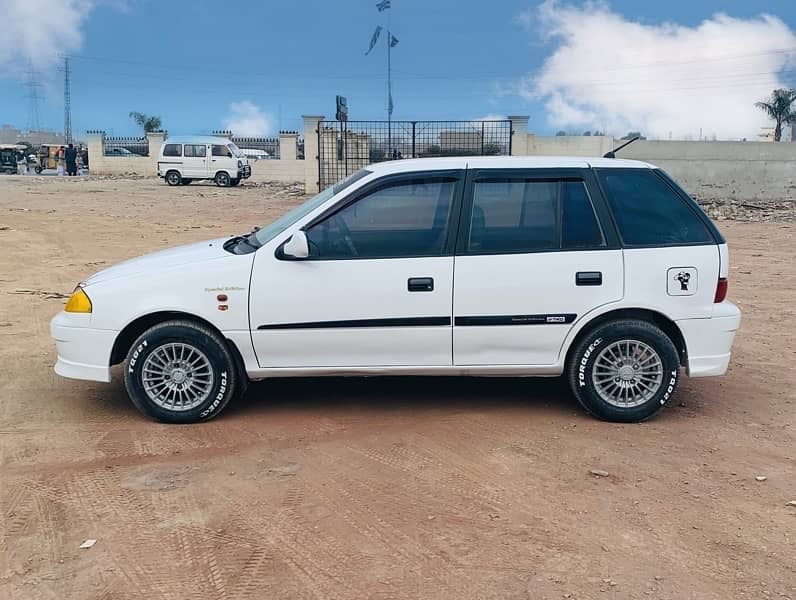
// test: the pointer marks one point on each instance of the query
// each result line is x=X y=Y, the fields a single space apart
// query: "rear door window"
x=511 y=214
x=648 y=212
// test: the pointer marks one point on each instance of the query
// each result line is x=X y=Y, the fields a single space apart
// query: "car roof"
x=503 y=162
x=197 y=139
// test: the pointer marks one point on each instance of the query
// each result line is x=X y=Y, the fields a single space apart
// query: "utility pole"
x=34 y=85
x=67 y=101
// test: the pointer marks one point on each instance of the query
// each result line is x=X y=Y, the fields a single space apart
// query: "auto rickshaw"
x=8 y=157
x=48 y=157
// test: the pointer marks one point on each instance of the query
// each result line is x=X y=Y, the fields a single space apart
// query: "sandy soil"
x=379 y=488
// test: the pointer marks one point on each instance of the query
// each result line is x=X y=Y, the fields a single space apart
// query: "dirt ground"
x=376 y=488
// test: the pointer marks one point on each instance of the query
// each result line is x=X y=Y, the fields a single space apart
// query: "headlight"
x=240 y=164
x=78 y=302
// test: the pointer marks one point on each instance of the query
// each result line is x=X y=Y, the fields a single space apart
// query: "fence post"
x=414 y=125
x=95 y=142
x=155 y=140
x=519 y=135
x=287 y=145
x=311 y=153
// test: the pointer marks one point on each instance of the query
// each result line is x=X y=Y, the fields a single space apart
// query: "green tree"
x=634 y=134
x=779 y=109
x=148 y=123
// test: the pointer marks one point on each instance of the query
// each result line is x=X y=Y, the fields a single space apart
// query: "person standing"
x=70 y=155
x=22 y=163
x=60 y=161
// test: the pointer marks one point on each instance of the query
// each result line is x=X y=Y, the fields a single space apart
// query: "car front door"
x=531 y=259
x=377 y=287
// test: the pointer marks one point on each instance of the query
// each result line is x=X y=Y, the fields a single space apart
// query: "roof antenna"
x=612 y=153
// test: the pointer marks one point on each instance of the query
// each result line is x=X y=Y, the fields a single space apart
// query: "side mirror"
x=297 y=246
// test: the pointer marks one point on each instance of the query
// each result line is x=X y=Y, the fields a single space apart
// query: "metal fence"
x=126 y=146
x=345 y=147
x=258 y=147
x=300 y=148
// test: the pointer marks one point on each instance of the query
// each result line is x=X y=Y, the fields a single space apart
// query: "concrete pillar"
x=311 y=175
x=155 y=139
x=519 y=135
x=95 y=143
x=288 y=141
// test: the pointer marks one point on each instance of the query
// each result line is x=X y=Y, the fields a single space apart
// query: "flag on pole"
x=374 y=39
x=393 y=41
x=383 y=5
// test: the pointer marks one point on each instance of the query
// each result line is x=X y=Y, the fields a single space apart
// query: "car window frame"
x=713 y=234
x=456 y=176
x=178 y=145
x=558 y=175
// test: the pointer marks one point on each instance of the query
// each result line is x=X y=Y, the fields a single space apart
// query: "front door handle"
x=420 y=284
x=588 y=278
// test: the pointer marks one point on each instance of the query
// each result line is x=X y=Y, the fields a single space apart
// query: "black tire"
x=173 y=178
x=222 y=388
x=223 y=179
x=234 y=181
x=38 y=170
x=186 y=181
x=581 y=368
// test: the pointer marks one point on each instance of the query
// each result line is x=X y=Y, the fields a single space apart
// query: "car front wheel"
x=222 y=179
x=624 y=371
x=180 y=372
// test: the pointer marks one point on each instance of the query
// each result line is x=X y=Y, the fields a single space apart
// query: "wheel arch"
x=135 y=328
x=666 y=325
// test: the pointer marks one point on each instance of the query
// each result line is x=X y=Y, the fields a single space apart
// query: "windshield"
x=267 y=233
x=235 y=150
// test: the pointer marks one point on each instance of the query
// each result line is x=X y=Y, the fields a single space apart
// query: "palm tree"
x=780 y=109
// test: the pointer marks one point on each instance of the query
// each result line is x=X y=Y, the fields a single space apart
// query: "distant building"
x=12 y=135
x=766 y=134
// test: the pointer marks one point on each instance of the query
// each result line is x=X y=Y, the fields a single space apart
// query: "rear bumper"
x=709 y=341
x=83 y=352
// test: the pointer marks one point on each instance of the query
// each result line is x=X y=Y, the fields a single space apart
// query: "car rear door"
x=532 y=257
x=194 y=161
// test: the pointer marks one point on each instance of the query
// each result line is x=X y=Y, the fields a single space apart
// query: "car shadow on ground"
x=388 y=394
x=381 y=394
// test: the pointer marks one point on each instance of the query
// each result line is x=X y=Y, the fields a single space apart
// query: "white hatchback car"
x=603 y=270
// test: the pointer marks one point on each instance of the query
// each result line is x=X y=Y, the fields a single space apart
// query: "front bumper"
x=83 y=352
x=245 y=172
x=709 y=341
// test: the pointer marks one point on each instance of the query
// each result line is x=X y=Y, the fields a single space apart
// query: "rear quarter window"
x=648 y=212
x=172 y=150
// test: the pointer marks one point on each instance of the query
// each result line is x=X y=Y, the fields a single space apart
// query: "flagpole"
x=389 y=82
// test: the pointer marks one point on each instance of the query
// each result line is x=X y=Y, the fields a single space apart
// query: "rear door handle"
x=588 y=278
x=420 y=284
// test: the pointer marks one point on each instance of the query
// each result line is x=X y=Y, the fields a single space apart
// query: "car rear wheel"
x=222 y=179
x=180 y=372
x=624 y=371
x=173 y=178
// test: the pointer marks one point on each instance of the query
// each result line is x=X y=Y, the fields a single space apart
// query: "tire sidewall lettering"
x=584 y=361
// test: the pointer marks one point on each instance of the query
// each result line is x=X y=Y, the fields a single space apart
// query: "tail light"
x=721 y=290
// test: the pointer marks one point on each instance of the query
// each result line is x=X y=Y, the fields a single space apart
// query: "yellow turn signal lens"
x=79 y=302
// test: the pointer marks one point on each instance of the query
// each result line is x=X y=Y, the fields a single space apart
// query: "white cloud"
x=33 y=33
x=611 y=73
x=247 y=119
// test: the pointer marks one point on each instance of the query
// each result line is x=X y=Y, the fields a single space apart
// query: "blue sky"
x=188 y=61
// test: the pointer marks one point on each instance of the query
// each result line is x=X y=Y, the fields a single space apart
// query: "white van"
x=186 y=159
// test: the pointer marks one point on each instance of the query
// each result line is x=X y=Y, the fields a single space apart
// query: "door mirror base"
x=296 y=248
